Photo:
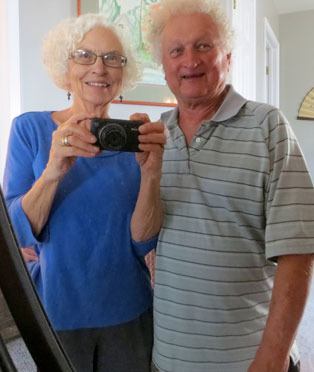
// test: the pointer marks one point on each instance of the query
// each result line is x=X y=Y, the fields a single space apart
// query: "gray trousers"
x=292 y=367
x=125 y=347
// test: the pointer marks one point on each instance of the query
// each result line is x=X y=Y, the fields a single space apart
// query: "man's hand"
x=268 y=363
x=29 y=254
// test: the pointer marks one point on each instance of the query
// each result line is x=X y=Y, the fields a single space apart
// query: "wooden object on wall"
x=306 y=110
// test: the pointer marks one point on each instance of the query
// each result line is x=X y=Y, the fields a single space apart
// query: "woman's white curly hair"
x=64 y=38
x=159 y=14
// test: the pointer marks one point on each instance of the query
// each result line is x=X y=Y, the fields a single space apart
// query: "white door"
x=244 y=55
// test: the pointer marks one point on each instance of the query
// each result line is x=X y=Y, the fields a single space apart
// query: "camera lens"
x=112 y=136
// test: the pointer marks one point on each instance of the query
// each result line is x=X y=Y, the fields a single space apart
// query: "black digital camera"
x=116 y=134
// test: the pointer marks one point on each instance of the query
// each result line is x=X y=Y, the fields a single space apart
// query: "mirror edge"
x=6 y=362
x=24 y=304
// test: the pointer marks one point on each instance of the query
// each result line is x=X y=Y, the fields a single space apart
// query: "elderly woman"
x=236 y=248
x=91 y=216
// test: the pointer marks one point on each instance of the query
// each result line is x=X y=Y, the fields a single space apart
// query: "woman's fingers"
x=64 y=146
x=152 y=133
x=149 y=127
x=140 y=117
x=70 y=140
x=151 y=147
x=153 y=137
x=77 y=142
x=74 y=138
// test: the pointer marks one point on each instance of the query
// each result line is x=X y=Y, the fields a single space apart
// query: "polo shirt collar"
x=230 y=106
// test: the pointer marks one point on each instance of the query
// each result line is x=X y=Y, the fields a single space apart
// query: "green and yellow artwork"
x=129 y=15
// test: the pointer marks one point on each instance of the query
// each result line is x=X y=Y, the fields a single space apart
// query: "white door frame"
x=271 y=65
x=243 y=74
x=10 y=92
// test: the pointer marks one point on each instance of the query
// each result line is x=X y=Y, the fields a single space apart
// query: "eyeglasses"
x=87 y=57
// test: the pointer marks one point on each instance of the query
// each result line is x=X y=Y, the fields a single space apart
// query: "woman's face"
x=94 y=86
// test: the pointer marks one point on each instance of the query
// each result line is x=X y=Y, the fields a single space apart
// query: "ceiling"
x=289 y=6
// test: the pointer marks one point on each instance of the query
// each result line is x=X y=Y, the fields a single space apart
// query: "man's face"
x=193 y=57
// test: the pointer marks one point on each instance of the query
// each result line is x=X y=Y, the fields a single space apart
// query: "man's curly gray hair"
x=64 y=38
x=159 y=14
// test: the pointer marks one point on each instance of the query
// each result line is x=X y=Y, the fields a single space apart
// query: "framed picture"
x=152 y=90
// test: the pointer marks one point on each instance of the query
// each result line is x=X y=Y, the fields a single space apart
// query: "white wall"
x=9 y=71
x=122 y=111
x=36 y=18
x=297 y=74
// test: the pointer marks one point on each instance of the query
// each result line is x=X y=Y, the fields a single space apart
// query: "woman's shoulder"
x=34 y=124
x=33 y=119
x=33 y=116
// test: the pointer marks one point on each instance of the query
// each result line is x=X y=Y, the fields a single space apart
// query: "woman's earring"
x=69 y=96
x=121 y=98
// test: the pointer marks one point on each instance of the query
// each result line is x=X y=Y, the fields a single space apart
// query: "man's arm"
x=290 y=292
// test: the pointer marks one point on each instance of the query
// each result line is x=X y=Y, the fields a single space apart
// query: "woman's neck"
x=64 y=115
x=100 y=111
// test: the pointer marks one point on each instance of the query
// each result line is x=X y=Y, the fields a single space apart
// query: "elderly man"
x=235 y=254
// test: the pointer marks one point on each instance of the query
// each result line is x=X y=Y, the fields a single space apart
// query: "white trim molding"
x=271 y=65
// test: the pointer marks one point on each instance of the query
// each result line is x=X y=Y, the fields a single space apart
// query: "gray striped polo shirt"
x=236 y=198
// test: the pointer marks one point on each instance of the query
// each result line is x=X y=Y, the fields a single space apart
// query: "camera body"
x=116 y=134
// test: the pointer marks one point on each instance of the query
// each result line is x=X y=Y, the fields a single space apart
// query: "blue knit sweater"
x=90 y=272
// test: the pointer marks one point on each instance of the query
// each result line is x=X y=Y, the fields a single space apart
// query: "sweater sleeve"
x=142 y=248
x=19 y=178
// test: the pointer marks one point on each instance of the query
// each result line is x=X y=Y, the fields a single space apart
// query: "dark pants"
x=292 y=367
x=122 y=348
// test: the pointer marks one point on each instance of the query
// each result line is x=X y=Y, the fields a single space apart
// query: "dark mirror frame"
x=6 y=362
x=25 y=306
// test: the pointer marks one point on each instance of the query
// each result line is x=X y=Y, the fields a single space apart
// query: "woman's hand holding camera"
x=148 y=213
x=152 y=139
x=71 y=139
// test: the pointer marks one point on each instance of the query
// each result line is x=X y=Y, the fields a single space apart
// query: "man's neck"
x=192 y=114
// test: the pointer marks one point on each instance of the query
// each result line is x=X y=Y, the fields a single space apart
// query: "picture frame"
x=152 y=90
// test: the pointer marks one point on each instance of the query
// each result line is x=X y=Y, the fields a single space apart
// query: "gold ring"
x=65 y=141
